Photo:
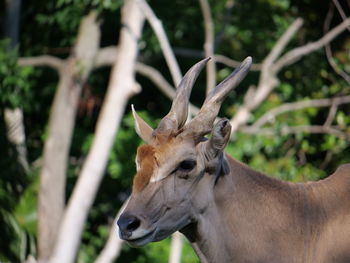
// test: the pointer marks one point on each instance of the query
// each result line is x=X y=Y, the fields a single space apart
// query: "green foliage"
x=14 y=80
x=17 y=204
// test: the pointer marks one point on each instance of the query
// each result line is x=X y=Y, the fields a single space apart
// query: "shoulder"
x=344 y=168
x=343 y=171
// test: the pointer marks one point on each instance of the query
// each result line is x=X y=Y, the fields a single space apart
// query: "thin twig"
x=341 y=11
x=40 y=61
x=331 y=114
x=328 y=48
x=157 y=78
x=312 y=129
x=295 y=54
x=158 y=29
x=268 y=80
x=160 y=82
x=209 y=44
x=193 y=53
x=282 y=42
x=272 y=114
x=108 y=55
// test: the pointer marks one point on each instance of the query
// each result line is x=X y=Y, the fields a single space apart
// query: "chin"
x=141 y=241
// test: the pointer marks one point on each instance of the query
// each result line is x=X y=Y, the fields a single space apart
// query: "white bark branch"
x=186 y=52
x=331 y=114
x=73 y=74
x=209 y=44
x=157 y=78
x=175 y=248
x=158 y=29
x=120 y=88
x=271 y=66
x=295 y=54
x=272 y=114
x=267 y=81
x=283 y=42
x=39 y=61
x=286 y=130
x=328 y=48
x=107 y=55
x=341 y=11
x=234 y=63
x=113 y=245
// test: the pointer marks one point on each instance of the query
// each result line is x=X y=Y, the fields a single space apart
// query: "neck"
x=237 y=198
x=250 y=217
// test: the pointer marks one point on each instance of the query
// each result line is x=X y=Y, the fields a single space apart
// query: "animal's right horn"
x=177 y=116
x=203 y=122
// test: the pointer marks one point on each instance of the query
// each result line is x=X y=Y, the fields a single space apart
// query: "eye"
x=187 y=165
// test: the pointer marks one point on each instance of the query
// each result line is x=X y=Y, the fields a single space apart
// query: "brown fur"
x=147 y=161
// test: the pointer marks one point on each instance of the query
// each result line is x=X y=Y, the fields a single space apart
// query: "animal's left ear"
x=219 y=138
x=141 y=127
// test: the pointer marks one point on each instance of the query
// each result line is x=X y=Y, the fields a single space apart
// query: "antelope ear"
x=141 y=127
x=219 y=138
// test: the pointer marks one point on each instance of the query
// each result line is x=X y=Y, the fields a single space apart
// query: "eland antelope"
x=228 y=211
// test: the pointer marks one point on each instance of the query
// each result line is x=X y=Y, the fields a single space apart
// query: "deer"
x=228 y=211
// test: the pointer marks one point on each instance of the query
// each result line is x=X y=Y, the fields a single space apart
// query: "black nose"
x=127 y=224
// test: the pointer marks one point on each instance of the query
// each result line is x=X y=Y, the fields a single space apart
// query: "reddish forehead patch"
x=147 y=162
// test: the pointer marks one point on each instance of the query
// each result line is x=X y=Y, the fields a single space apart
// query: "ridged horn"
x=203 y=122
x=177 y=116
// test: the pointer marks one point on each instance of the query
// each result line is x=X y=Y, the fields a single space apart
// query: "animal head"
x=178 y=166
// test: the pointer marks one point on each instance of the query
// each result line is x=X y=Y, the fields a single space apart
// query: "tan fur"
x=147 y=162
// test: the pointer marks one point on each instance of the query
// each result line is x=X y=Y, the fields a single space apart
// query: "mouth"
x=141 y=241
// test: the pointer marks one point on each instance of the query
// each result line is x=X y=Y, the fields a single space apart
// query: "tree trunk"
x=73 y=75
x=121 y=87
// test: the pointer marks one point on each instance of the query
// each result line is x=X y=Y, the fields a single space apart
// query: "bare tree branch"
x=312 y=129
x=120 y=89
x=272 y=114
x=158 y=29
x=282 y=43
x=341 y=11
x=186 y=52
x=106 y=56
x=295 y=54
x=157 y=78
x=331 y=114
x=175 y=248
x=161 y=83
x=328 y=48
x=233 y=63
x=209 y=44
x=73 y=74
x=268 y=80
x=44 y=60
x=113 y=245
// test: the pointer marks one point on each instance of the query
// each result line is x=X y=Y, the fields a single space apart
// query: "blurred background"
x=70 y=70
